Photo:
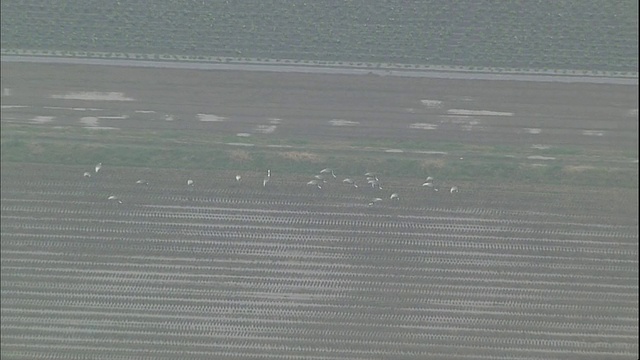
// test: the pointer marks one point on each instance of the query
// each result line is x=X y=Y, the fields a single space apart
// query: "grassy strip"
x=173 y=137
x=153 y=150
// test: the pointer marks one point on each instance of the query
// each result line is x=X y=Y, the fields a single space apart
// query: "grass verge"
x=191 y=150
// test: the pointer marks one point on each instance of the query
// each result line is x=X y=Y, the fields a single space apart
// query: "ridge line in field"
x=329 y=70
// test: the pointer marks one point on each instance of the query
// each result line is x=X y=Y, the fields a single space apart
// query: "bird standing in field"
x=98 y=167
x=114 y=198
x=266 y=179
x=316 y=183
x=374 y=183
x=320 y=177
x=87 y=174
x=350 y=182
x=191 y=185
x=328 y=171
x=372 y=177
x=454 y=189
x=394 y=196
x=375 y=200
x=238 y=177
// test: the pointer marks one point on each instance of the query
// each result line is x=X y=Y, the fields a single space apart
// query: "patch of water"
x=456 y=119
x=538 y=157
x=93 y=95
x=540 y=147
x=71 y=108
x=89 y=121
x=430 y=152
x=211 y=118
x=341 y=122
x=118 y=117
x=265 y=129
x=478 y=112
x=423 y=126
x=240 y=144
x=592 y=133
x=42 y=119
x=431 y=103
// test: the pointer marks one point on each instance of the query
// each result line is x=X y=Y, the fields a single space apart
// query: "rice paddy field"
x=534 y=257
x=225 y=270
x=155 y=212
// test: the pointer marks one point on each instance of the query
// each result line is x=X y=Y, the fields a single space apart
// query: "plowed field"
x=234 y=269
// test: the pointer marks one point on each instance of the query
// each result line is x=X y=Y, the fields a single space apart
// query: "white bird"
x=265 y=181
x=375 y=183
x=429 y=179
x=269 y=173
x=142 y=182
x=454 y=189
x=190 y=182
x=87 y=174
x=327 y=171
x=429 y=184
x=315 y=182
x=369 y=174
x=98 y=167
x=374 y=201
x=350 y=181
x=238 y=177
x=394 y=196
x=114 y=198
x=320 y=177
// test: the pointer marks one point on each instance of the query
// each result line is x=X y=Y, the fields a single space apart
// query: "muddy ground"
x=331 y=106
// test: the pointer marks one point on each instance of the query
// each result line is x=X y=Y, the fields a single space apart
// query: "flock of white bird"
x=372 y=180
x=87 y=174
x=318 y=181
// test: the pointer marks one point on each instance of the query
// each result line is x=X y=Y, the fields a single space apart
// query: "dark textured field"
x=572 y=34
x=499 y=270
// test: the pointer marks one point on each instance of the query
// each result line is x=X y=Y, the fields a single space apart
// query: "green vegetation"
x=189 y=150
x=594 y=35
